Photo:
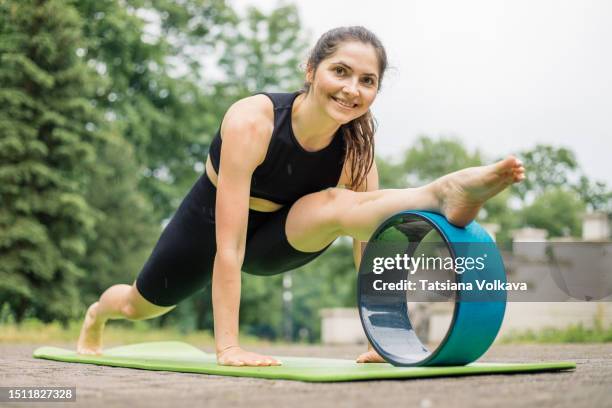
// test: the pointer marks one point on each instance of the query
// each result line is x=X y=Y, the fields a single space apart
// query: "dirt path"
x=590 y=385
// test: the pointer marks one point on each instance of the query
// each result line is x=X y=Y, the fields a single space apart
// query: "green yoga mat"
x=182 y=357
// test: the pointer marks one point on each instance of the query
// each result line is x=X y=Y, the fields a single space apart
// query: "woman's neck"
x=312 y=127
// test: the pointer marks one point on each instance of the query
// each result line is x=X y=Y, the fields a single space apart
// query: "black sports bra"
x=289 y=172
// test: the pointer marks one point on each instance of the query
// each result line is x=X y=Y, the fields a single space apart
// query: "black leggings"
x=182 y=261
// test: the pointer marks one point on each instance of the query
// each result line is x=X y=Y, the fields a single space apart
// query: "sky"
x=500 y=76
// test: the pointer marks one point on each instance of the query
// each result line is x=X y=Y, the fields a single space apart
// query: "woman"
x=271 y=198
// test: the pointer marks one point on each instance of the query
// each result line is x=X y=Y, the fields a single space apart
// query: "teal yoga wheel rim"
x=477 y=317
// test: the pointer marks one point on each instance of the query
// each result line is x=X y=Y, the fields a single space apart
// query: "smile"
x=344 y=104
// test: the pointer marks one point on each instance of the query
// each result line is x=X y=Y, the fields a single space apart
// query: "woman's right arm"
x=245 y=131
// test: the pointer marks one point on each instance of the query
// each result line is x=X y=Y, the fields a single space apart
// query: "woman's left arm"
x=370 y=185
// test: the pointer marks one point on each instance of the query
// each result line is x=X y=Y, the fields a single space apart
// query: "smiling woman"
x=268 y=201
x=349 y=64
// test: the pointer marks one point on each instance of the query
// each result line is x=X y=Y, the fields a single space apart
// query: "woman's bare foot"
x=370 y=356
x=90 y=339
x=463 y=192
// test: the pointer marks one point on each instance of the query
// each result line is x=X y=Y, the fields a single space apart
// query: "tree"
x=547 y=167
x=47 y=155
x=328 y=281
x=264 y=52
x=557 y=210
x=557 y=167
x=596 y=194
x=155 y=93
x=390 y=174
x=429 y=159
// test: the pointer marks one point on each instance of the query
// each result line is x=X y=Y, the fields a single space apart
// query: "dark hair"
x=359 y=133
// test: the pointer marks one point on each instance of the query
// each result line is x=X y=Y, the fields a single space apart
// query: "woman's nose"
x=350 y=88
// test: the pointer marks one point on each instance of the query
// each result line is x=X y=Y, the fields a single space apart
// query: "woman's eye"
x=339 y=70
x=369 y=81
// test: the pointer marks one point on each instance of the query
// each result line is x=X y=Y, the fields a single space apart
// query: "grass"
x=572 y=334
x=577 y=333
x=35 y=332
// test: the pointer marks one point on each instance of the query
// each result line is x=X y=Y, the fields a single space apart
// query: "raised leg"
x=117 y=302
x=317 y=219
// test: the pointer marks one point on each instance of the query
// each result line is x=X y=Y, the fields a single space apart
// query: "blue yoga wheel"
x=474 y=293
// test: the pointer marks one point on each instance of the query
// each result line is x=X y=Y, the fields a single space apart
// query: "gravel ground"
x=590 y=385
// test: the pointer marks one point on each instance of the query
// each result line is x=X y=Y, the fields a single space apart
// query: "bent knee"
x=340 y=201
x=138 y=308
x=339 y=197
x=132 y=312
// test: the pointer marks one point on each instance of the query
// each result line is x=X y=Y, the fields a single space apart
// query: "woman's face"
x=346 y=83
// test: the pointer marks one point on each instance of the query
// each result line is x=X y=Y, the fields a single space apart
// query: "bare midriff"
x=255 y=203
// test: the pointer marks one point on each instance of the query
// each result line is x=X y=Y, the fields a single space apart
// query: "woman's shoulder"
x=255 y=109
x=247 y=127
x=253 y=115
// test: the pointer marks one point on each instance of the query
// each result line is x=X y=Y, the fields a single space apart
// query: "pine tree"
x=47 y=155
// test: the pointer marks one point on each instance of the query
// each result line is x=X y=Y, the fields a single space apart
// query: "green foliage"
x=430 y=158
x=126 y=228
x=47 y=154
x=328 y=281
x=497 y=210
x=556 y=193
x=576 y=333
x=558 y=210
x=390 y=174
x=550 y=167
x=547 y=166
x=264 y=52
x=261 y=306
x=595 y=194
x=154 y=88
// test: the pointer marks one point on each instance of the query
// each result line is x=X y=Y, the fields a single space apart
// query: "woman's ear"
x=309 y=74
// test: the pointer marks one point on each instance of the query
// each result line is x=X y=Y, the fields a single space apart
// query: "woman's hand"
x=236 y=356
